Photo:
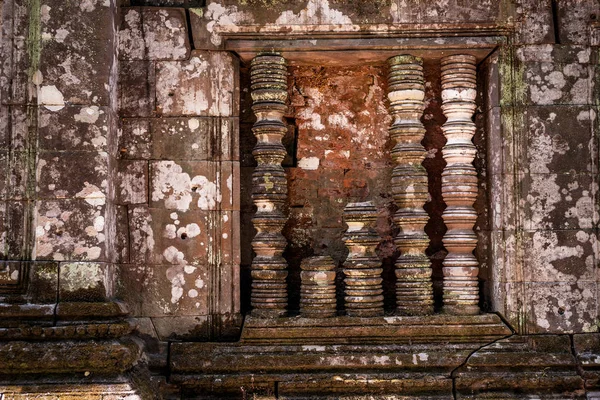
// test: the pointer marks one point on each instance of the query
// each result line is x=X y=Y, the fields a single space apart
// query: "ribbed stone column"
x=317 y=290
x=459 y=185
x=364 y=293
x=269 y=185
x=406 y=92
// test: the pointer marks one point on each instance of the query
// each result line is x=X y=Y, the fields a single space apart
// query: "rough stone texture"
x=137 y=91
x=193 y=138
x=92 y=392
x=543 y=366
x=167 y=38
x=209 y=88
x=85 y=281
x=118 y=139
x=296 y=18
x=177 y=177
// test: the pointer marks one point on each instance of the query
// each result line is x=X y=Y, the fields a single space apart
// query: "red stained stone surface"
x=340 y=153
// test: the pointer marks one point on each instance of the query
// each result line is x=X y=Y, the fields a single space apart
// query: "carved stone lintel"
x=459 y=185
x=317 y=291
x=406 y=92
x=269 y=186
x=364 y=293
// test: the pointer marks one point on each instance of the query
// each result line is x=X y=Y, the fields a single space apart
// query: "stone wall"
x=126 y=172
x=178 y=178
x=58 y=105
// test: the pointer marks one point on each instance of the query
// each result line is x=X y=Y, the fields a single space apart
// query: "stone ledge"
x=353 y=330
x=81 y=391
x=319 y=386
x=76 y=332
x=512 y=367
x=538 y=365
x=68 y=357
x=16 y=315
x=70 y=311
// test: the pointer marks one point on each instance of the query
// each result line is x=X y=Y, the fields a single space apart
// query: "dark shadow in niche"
x=483 y=225
x=433 y=119
x=247 y=165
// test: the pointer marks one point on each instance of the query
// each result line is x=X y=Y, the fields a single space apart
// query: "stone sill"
x=393 y=329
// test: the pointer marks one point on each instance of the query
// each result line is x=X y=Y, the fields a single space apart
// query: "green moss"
x=34 y=47
x=34 y=37
x=198 y=11
x=513 y=89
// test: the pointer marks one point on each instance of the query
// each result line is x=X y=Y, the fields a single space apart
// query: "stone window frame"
x=487 y=44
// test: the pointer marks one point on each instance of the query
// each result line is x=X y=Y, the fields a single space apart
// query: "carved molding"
x=317 y=290
x=459 y=185
x=406 y=92
x=363 y=293
x=269 y=186
x=79 y=331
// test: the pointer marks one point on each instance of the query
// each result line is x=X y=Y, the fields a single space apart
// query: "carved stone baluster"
x=406 y=92
x=459 y=185
x=269 y=185
x=317 y=291
x=364 y=293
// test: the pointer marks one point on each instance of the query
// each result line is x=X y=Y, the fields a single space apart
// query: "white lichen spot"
x=61 y=34
x=176 y=277
x=219 y=16
x=317 y=12
x=191 y=230
x=189 y=269
x=208 y=192
x=194 y=124
x=92 y=195
x=170 y=231
x=40 y=231
x=173 y=185
x=14 y=275
x=88 y=115
x=45 y=13
x=548 y=89
x=381 y=360
x=87 y=5
x=313 y=348
x=176 y=293
x=176 y=188
x=586 y=115
x=99 y=223
x=174 y=256
x=309 y=163
x=51 y=98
